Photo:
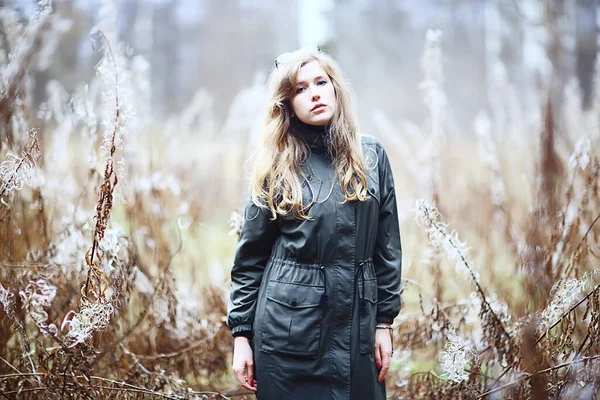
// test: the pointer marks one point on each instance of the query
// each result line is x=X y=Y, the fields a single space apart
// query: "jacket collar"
x=315 y=136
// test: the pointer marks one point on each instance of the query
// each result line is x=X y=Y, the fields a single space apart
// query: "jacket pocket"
x=368 y=314
x=292 y=319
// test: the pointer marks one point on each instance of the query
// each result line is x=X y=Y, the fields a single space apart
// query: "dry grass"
x=115 y=249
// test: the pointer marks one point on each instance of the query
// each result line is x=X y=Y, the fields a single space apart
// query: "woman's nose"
x=315 y=97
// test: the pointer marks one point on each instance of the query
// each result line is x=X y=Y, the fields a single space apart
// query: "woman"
x=316 y=276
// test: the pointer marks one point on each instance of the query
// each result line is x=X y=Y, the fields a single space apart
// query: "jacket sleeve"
x=252 y=254
x=387 y=257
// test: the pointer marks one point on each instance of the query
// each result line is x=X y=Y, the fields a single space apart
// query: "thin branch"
x=576 y=252
x=9 y=364
x=35 y=389
x=20 y=265
x=20 y=375
x=130 y=390
x=27 y=154
x=419 y=285
x=586 y=233
x=189 y=348
x=567 y=313
x=479 y=288
x=543 y=371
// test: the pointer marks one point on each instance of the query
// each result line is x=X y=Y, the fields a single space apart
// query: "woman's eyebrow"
x=314 y=79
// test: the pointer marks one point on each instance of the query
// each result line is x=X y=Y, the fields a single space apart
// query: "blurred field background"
x=126 y=132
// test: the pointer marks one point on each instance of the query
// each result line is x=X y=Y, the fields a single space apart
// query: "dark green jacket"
x=311 y=292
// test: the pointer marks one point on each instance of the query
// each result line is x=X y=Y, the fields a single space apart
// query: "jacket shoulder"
x=371 y=142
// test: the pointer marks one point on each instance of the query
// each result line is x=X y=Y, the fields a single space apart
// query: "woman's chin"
x=319 y=120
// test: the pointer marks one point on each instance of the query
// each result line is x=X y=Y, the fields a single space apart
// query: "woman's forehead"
x=310 y=71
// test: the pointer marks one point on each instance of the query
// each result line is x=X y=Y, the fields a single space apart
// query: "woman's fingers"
x=243 y=365
x=385 y=364
x=239 y=375
x=251 y=380
x=378 y=355
x=246 y=380
x=383 y=353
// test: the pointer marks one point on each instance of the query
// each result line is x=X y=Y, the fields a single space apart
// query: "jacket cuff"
x=384 y=320
x=241 y=330
x=247 y=334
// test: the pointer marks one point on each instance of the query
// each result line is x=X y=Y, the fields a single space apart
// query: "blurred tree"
x=66 y=65
x=234 y=43
x=586 y=46
x=165 y=58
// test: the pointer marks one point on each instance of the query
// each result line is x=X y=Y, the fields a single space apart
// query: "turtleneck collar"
x=315 y=136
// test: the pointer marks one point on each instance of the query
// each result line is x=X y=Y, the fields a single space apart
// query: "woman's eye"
x=300 y=90
x=322 y=83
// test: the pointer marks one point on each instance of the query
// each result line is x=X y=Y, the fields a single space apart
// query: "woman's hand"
x=383 y=351
x=243 y=363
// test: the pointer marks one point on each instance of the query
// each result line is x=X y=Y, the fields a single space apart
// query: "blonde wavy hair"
x=275 y=178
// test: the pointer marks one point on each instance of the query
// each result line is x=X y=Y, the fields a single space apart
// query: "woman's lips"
x=318 y=107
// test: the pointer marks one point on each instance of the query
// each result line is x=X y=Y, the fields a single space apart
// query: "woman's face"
x=314 y=99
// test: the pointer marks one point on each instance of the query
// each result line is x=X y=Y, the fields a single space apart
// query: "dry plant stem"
x=120 y=389
x=144 y=390
x=14 y=175
x=586 y=233
x=108 y=172
x=135 y=359
x=7 y=264
x=420 y=286
x=35 y=389
x=576 y=252
x=20 y=375
x=236 y=394
x=567 y=313
x=479 y=288
x=65 y=377
x=9 y=364
x=141 y=390
x=137 y=362
x=441 y=307
x=428 y=373
x=222 y=396
x=26 y=346
x=128 y=387
x=543 y=371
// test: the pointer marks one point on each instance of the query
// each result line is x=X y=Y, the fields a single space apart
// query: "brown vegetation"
x=92 y=254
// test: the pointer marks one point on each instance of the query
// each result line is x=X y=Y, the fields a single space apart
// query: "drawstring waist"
x=323 y=271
